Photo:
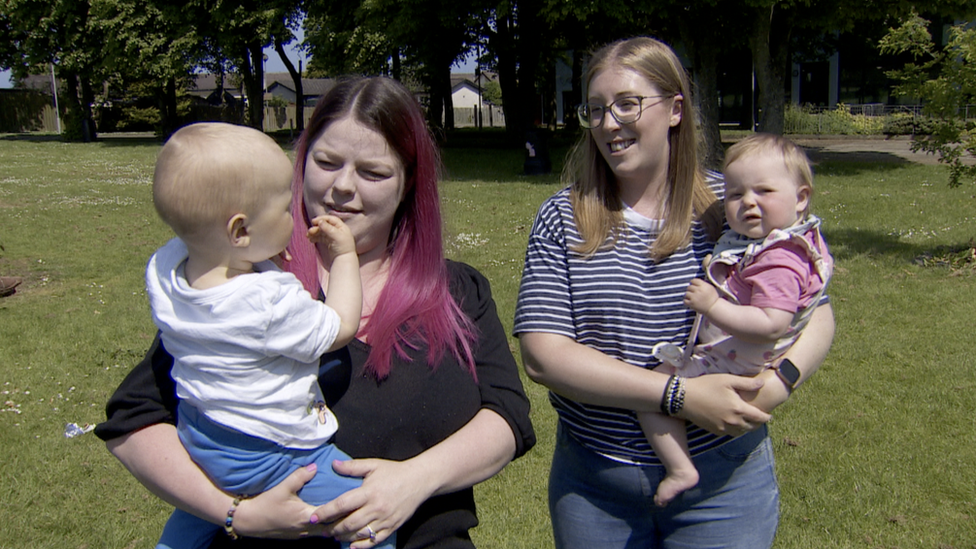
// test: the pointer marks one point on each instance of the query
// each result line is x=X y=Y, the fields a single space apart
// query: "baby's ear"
x=237 y=231
x=802 y=198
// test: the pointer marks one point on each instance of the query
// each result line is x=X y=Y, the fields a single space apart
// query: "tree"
x=63 y=34
x=945 y=80
x=579 y=26
x=515 y=36
x=375 y=37
x=154 y=45
x=706 y=31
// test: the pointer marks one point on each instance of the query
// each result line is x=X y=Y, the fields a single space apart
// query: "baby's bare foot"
x=673 y=484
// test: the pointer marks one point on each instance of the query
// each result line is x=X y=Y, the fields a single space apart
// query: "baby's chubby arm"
x=753 y=324
x=345 y=291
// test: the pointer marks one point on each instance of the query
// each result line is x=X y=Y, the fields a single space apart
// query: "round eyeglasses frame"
x=585 y=112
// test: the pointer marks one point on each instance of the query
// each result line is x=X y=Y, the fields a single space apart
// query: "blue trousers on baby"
x=243 y=464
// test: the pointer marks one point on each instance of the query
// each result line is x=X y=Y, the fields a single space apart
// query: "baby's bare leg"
x=669 y=439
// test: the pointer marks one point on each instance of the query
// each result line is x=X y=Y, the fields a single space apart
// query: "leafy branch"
x=945 y=81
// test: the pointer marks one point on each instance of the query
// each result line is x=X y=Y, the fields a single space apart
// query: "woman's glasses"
x=625 y=110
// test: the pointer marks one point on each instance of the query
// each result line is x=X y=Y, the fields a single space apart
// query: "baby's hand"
x=700 y=296
x=331 y=231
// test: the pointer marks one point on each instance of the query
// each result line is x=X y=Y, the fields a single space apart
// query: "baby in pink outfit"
x=765 y=278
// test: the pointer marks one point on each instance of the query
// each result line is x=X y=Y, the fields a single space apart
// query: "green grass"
x=876 y=451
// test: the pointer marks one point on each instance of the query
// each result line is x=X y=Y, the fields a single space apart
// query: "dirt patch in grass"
x=959 y=259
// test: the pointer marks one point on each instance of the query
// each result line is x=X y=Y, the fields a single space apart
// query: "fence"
x=491 y=117
x=26 y=111
x=32 y=112
x=283 y=118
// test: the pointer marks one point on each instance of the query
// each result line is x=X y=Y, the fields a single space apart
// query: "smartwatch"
x=789 y=373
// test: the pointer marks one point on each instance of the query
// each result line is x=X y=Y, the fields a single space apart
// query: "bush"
x=906 y=123
x=840 y=121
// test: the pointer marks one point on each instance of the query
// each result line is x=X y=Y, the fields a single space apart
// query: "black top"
x=413 y=409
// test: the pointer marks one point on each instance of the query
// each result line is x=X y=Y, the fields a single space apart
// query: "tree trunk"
x=168 y=117
x=528 y=48
x=443 y=79
x=704 y=47
x=88 y=130
x=435 y=106
x=502 y=42
x=78 y=124
x=253 y=69
x=770 y=52
x=296 y=77
x=576 y=94
x=397 y=66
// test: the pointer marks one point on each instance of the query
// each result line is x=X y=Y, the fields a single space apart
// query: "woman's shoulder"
x=465 y=279
x=469 y=288
x=715 y=182
x=560 y=199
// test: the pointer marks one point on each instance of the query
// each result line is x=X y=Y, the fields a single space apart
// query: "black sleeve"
x=147 y=396
x=498 y=374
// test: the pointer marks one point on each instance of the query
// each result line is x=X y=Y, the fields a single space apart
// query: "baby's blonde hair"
x=207 y=172
x=796 y=161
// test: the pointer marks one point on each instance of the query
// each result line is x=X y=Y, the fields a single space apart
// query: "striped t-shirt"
x=619 y=302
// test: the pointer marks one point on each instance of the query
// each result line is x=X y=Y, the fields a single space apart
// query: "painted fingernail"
x=313 y=467
x=313 y=519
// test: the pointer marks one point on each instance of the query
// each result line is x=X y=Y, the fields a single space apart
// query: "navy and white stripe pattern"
x=619 y=302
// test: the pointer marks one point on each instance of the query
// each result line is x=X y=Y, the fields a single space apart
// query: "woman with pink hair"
x=428 y=396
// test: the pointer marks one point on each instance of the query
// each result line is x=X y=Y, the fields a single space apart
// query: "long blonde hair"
x=597 y=207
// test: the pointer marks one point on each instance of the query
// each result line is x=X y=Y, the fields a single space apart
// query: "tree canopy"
x=944 y=78
x=159 y=45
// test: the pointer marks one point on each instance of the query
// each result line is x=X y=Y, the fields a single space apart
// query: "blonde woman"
x=608 y=262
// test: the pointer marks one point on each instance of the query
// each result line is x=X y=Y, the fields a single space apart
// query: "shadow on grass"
x=31 y=137
x=106 y=139
x=852 y=163
x=855 y=162
x=129 y=139
x=848 y=243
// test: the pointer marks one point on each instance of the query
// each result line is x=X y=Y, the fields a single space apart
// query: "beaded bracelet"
x=666 y=397
x=678 y=400
x=673 y=399
x=229 y=522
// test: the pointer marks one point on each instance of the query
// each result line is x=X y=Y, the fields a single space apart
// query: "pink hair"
x=415 y=307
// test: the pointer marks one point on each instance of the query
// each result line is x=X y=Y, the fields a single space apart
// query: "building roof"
x=40 y=82
x=310 y=86
x=205 y=84
x=471 y=79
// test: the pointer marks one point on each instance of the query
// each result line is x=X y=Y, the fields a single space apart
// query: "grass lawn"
x=876 y=451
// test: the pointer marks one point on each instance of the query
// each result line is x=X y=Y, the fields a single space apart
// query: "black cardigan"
x=413 y=409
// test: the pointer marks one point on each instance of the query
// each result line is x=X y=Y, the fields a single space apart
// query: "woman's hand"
x=158 y=460
x=715 y=402
x=279 y=512
x=391 y=492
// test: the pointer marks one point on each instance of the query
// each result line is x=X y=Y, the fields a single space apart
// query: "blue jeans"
x=597 y=502
x=243 y=464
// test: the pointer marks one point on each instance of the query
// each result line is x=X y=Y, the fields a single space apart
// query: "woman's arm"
x=587 y=375
x=155 y=456
x=807 y=353
x=496 y=434
x=393 y=490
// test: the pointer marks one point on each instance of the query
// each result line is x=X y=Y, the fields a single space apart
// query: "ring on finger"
x=372 y=534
